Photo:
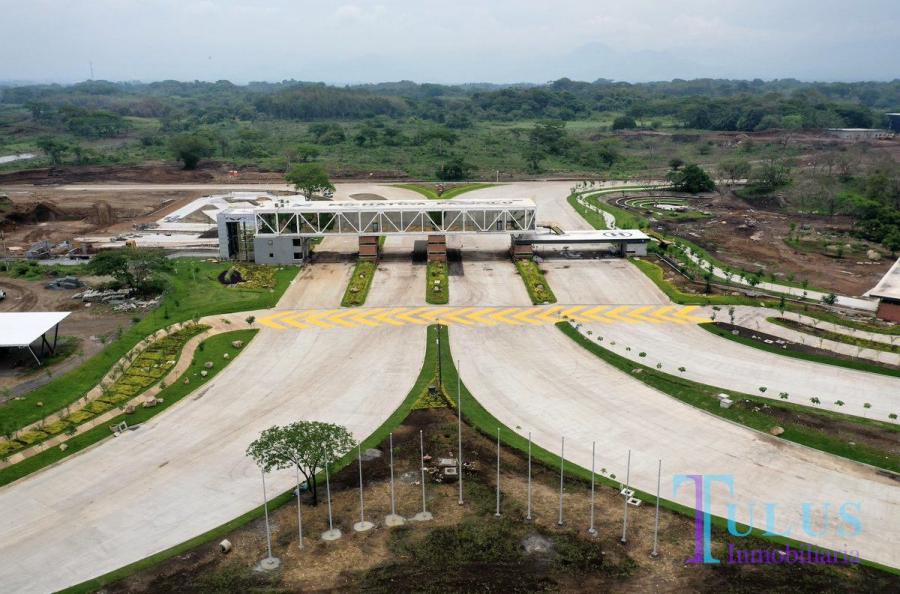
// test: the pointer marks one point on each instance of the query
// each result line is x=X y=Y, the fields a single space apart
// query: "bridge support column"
x=437 y=248
x=369 y=248
x=520 y=251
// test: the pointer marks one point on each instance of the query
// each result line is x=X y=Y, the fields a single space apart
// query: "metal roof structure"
x=573 y=237
x=20 y=329
x=889 y=285
x=384 y=217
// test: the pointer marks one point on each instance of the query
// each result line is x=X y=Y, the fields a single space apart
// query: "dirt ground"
x=748 y=238
x=87 y=324
x=388 y=560
x=55 y=214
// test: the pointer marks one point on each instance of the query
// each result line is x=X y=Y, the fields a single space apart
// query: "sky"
x=448 y=41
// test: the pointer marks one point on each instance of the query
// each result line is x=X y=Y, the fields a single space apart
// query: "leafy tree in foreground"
x=304 y=445
x=624 y=122
x=691 y=178
x=309 y=178
x=453 y=170
x=190 y=148
x=134 y=268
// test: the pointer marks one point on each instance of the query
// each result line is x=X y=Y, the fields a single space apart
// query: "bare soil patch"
x=466 y=549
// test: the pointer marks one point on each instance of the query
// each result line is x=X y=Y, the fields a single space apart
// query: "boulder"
x=873 y=255
x=237 y=343
x=776 y=430
x=208 y=364
x=226 y=356
x=204 y=373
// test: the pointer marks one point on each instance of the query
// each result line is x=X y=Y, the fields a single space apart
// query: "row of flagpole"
x=393 y=519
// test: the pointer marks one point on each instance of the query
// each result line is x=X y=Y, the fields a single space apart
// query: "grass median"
x=815 y=358
x=430 y=190
x=360 y=283
x=705 y=397
x=535 y=282
x=437 y=279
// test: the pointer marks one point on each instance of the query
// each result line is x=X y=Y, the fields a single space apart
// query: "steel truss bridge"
x=316 y=219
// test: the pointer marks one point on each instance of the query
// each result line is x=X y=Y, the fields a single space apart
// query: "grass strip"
x=535 y=282
x=431 y=193
x=193 y=291
x=705 y=397
x=360 y=283
x=834 y=336
x=214 y=349
x=594 y=219
x=826 y=316
x=437 y=287
x=479 y=418
x=815 y=358
x=426 y=375
x=655 y=274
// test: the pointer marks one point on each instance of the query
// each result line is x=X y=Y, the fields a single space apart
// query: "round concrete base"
x=269 y=564
x=423 y=516
x=392 y=520
x=592 y=531
x=333 y=534
x=364 y=526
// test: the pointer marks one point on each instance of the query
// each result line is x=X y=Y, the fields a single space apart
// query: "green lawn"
x=214 y=349
x=704 y=397
x=835 y=336
x=827 y=316
x=655 y=273
x=772 y=348
x=437 y=293
x=360 y=283
x=429 y=191
x=595 y=219
x=194 y=290
x=535 y=282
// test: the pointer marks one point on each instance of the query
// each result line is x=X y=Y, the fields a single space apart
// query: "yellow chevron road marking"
x=685 y=314
x=409 y=316
x=522 y=316
x=457 y=317
x=338 y=317
x=385 y=317
x=616 y=314
x=638 y=314
x=592 y=313
x=270 y=320
x=361 y=316
x=292 y=320
x=478 y=316
x=661 y=315
x=572 y=312
x=314 y=318
x=500 y=316
x=550 y=315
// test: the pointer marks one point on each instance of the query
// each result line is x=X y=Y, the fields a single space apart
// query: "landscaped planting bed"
x=535 y=283
x=149 y=367
x=359 y=285
x=437 y=291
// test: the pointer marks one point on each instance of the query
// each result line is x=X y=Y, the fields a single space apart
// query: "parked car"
x=2 y=294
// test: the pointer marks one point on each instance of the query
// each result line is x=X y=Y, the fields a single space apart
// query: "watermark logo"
x=848 y=524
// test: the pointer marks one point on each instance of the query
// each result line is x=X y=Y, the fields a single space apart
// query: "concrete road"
x=397 y=282
x=486 y=281
x=608 y=280
x=185 y=471
x=532 y=378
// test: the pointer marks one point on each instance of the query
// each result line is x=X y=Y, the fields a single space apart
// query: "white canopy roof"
x=20 y=329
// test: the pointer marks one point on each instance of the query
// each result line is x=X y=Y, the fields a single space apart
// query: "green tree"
x=135 y=268
x=453 y=170
x=190 y=148
x=735 y=169
x=306 y=152
x=54 y=148
x=691 y=178
x=304 y=445
x=624 y=122
x=309 y=178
